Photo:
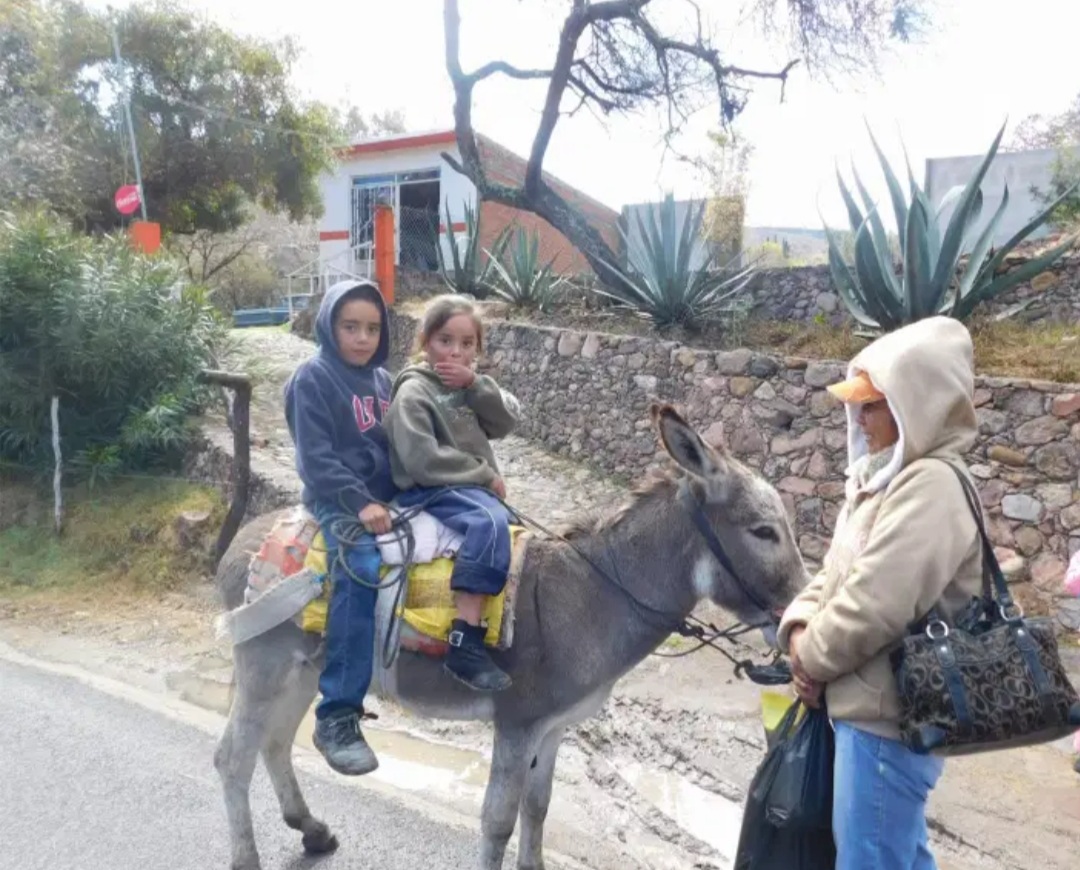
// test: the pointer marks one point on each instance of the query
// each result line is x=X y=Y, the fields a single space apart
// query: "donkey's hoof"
x=320 y=841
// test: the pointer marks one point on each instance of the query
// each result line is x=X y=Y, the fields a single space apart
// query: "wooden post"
x=384 y=251
x=241 y=472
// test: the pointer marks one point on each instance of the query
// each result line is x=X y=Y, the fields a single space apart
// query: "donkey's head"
x=746 y=559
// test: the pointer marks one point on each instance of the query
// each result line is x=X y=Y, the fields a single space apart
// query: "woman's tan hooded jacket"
x=905 y=539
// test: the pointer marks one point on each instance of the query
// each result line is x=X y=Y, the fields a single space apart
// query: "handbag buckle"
x=1013 y=607
x=940 y=626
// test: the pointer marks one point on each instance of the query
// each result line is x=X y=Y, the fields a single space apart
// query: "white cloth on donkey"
x=431 y=540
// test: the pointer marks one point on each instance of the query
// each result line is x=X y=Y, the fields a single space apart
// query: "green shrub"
x=521 y=279
x=119 y=337
x=467 y=273
x=660 y=282
x=930 y=280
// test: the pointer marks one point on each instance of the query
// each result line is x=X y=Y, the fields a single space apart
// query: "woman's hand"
x=376 y=519
x=454 y=375
x=498 y=486
x=807 y=688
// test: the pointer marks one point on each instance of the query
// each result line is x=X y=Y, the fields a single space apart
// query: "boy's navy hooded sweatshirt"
x=334 y=411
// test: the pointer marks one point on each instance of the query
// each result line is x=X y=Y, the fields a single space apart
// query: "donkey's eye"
x=765 y=533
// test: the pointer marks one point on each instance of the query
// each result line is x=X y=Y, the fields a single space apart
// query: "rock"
x=813 y=547
x=835 y=439
x=1007 y=456
x=1055 y=496
x=192 y=528
x=832 y=490
x=646 y=383
x=818 y=469
x=1059 y=461
x=1070 y=517
x=782 y=445
x=591 y=346
x=820 y=374
x=685 y=357
x=822 y=403
x=1022 y=507
x=714 y=385
x=1044 y=281
x=982 y=472
x=808 y=513
x=741 y=387
x=763 y=367
x=733 y=362
x=1001 y=534
x=797 y=486
x=714 y=435
x=1041 y=430
x=992 y=493
x=765 y=392
x=635 y=361
x=1068 y=614
x=982 y=398
x=1048 y=573
x=746 y=440
x=1065 y=405
x=1028 y=540
x=1026 y=403
x=991 y=422
x=570 y=343
x=827 y=302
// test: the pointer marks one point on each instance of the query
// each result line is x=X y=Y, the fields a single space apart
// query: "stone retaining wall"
x=587 y=395
x=807 y=293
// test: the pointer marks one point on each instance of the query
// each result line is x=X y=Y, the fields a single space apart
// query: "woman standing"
x=905 y=541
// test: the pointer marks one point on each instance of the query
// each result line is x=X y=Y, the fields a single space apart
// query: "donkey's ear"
x=684 y=445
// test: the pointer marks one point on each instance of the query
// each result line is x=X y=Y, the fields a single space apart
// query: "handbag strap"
x=995 y=587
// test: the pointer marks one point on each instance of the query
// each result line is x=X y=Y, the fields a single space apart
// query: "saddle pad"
x=429 y=603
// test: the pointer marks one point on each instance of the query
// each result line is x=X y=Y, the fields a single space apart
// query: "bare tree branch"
x=501 y=66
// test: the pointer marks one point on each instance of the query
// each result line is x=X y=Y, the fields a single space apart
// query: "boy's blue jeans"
x=879 y=802
x=479 y=517
x=350 y=622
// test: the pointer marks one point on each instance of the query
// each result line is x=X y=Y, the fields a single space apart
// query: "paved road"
x=92 y=782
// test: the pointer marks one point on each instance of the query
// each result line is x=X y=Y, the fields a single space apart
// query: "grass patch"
x=119 y=534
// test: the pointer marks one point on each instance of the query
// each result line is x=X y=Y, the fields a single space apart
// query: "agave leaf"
x=896 y=193
x=958 y=225
x=884 y=307
x=986 y=292
x=950 y=197
x=855 y=216
x=979 y=251
x=990 y=267
x=846 y=284
x=881 y=239
x=919 y=295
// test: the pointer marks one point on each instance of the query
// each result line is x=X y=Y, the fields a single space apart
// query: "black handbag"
x=992 y=679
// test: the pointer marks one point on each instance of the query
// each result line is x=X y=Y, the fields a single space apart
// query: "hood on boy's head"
x=926 y=371
x=334 y=298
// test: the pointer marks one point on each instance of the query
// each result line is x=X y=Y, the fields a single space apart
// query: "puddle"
x=706 y=816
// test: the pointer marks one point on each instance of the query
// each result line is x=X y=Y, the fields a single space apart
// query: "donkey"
x=589 y=608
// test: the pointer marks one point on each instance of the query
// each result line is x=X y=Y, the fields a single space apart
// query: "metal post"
x=127 y=115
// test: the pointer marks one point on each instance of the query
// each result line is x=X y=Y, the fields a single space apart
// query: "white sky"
x=982 y=60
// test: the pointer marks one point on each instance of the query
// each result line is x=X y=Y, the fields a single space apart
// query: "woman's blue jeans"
x=879 y=802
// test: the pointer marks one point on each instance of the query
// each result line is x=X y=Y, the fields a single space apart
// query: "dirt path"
x=654 y=781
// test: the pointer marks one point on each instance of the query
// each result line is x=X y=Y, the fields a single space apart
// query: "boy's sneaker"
x=343 y=746
x=468 y=659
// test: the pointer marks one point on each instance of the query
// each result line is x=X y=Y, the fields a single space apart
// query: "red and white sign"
x=127 y=199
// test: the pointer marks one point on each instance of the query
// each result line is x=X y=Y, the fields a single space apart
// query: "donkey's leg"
x=235 y=762
x=535 y=800
x=277 y=754
x=509 y=759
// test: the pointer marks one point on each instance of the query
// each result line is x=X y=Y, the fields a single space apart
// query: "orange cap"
x=857 y=390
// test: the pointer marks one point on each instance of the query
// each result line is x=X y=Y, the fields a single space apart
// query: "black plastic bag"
x=762 y=844
x=801 y=793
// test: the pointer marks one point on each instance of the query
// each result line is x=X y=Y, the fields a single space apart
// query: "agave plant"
x=661 y=283
x=522 y=281
x=467 y=274
x=930 y=280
